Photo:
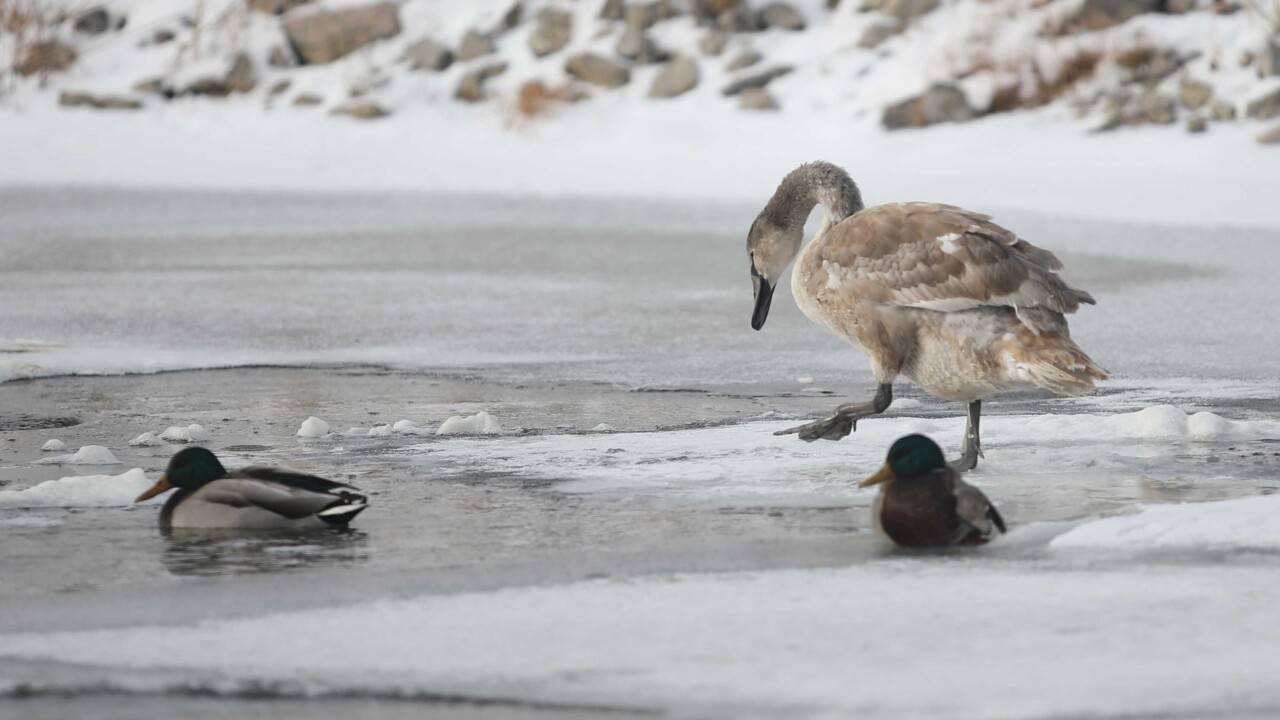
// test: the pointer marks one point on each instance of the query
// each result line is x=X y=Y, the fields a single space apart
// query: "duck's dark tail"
x=343 y=510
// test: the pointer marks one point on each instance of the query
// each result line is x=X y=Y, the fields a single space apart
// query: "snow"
x=383 y=430
x=603 y=427
x=53 y=445
x=482 y=423
x=81 y=491
x=190 y=433
x=900 y=637
x=313 y=427
x=408 y=427
x=146 y=439
x=354 y=431
x=1241 y=524
x=86 y=455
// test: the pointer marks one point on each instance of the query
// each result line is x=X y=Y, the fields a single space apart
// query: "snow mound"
x=189 y=434
x=53 y=445
x=81 y=491
x=313 y=427
x=354 y=431
x=1158 y=422
x=30 y=521
x=1244 y=523
x=603 y=427
x=87 y=455
x=482 y=423
x=146 y=439
x=409 y=427
x=379 y=431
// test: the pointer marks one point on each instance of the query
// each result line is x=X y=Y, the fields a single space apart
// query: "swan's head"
x=771 y=247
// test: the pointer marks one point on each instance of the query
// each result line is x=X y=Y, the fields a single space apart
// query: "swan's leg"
x=972 y=443
x=845 y=420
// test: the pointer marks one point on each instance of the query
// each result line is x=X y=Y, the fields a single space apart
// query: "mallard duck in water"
x=923 y=502
x=208 y=496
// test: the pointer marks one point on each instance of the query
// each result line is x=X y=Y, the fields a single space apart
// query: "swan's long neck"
x=808 y=185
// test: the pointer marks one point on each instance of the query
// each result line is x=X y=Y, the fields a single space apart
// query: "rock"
x=780 y=16
x=713 y=42
x=1270 y=137
x=1158 y=109
x=1270 y=60
x=1148 y=65
x=279 y=87
x=745 y=59
x=1221 y=110
x=756 y=99
x=877 y=33
x=641 y=15
x=902 y=10
x=362 y=111
x=1264 y=107
x=150 y=86
x=597 y=70
x=70 y=98
x=942 y=102
x=1100 y=14
x=471 y=85
x=636 y=46
x=281 y=57
x=47 y=56
x=275 y=7
x=307 y=100
x=510 y=19
x=162 y=36
x=474 y=45
x=551 y=32
x=612 y=10
x=93 y=21
x=1194 y=93
x=322 y=37
x=739 y=18
x=1197 y=124
x=239 y=78
x=1179 y=7
x=427 y=54
x=1246 y=58
x=675 y=78
x=755 y=80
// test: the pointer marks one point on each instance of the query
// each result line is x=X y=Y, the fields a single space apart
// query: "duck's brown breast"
x=919 y=511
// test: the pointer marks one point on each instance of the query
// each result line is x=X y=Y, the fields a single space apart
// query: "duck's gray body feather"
x=263 y=498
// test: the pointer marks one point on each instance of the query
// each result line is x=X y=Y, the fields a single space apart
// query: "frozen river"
x=682 y=561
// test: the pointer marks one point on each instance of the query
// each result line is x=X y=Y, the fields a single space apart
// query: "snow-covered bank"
x=1242 y=524
x=908 y=637
x=81 y=491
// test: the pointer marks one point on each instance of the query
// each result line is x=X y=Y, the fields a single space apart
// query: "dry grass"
x=535 y=99
x=24 y=29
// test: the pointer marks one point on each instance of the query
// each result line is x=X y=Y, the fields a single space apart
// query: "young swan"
x=208 y=496
x=923 y=502
x=942 y=295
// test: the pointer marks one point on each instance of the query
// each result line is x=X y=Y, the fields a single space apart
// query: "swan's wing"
x=940 y=257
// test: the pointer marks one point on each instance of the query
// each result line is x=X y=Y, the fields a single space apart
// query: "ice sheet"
x=81 y=491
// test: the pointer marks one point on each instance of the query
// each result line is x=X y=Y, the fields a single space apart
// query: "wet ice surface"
x=688 y=562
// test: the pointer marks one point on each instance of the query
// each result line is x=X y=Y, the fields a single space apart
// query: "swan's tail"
x=1054 y=362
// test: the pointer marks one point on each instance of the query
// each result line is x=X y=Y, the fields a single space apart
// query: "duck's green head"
x=910 y=455
x=189 y=469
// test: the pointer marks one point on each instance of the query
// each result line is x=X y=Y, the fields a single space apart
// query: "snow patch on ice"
x=146 y=439
x=87 y=455
x=602 y=427
x=81 y=491
x=53 y=445
x=409 y=427
x=189 y=434
x=482 y=423
x=382 y=430
x=354 y=431
x=1244 y=523
x=313 y=427
x=30 y=521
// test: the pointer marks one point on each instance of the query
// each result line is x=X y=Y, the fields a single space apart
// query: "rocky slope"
x=1105 y=64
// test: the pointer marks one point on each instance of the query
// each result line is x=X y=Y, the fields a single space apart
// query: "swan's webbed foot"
x=845 y=420
x=968 y=459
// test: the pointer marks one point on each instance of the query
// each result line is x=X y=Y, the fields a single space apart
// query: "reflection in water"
x=208 y=552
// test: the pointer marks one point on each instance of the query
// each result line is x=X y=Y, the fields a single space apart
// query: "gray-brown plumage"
x=943 y=295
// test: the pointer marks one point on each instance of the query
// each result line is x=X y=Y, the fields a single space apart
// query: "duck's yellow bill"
x=161 y=485
x=884 y=473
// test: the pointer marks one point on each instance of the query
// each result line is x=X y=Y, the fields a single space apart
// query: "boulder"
x=279 y=87
x=275 y=7
x=150 y=86
x=1221 y=110
x=1270 y=137
x=307 y=100
x=675 y=78
x=941 y=103
x=1148 y=65
x=644 y=15
x=1265 y=107
x=597 y=70
x=510 y=19
x=908 y=10
x=1270 y=60
x=1158 y=109
x=162 y=36
x=322 y=37
x=738 y=18
x=756 y=99
x=427 y=54
x=713 y=42
x=69 y=98
x=239 y=78
x=779 y=16
x=474 y=45
x=1100 y=14
x=755 y=80
x=471 y=85
x=1179 y=7
x=612 y=10
x=636 y=45
x=281 y=57
x=876 y=33
x=1194 y=94
x=745 y=59
x=367 y=110
x=93 y=21
x=551 y=32
x=47 y=56
x=1197 y=124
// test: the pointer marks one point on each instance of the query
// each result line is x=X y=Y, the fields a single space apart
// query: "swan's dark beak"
x=764 y=295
